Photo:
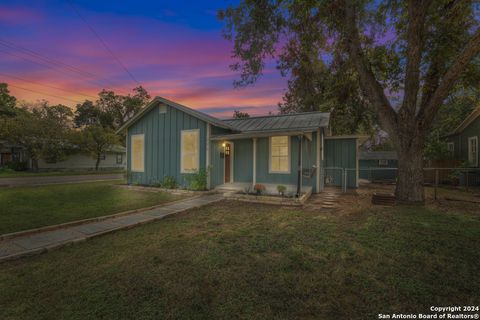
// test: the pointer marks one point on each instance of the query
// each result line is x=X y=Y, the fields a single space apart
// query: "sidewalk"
x=45 y=180
x=40 y=242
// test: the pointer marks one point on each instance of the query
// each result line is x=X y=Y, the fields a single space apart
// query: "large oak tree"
x=408 y=57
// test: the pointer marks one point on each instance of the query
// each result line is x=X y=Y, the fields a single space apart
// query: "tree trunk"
x=97 y=163
x=409 y=188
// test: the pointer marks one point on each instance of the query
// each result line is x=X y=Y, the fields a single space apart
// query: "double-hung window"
x=280 y=154
x=190 y=151
x=138 y=152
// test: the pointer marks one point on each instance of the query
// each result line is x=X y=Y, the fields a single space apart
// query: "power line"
x=55 y=64
x=102 y=42
x=55 y=68
x=46 y=85
x=43 y=93
x=34 y=54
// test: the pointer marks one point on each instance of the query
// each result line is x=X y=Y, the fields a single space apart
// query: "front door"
x=228 y=152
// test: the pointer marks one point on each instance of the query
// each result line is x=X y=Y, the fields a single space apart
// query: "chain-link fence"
x=350 y=178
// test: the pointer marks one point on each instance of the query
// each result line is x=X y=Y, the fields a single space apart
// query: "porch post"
x=318 y=161
x=254 y=161
x=207 y=155
x=299 y=168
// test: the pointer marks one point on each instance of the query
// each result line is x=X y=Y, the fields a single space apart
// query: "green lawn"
x=251 y=261
x=32 y=207
x=29 y=174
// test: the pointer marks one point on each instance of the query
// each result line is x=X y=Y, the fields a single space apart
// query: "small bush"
x=281 y=189
x=197 y=181
x=18 y=165
x=6 y=170
x=169 y=182
x=259 y=188
x=155 y=183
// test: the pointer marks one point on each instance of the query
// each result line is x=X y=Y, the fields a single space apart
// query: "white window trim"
x=382 y=162
x=136 y=136
x=181 y=150
x=475 y=161
x=270 y=156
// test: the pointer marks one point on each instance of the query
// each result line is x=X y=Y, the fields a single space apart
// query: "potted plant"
x=281 y=190
x=259 y=188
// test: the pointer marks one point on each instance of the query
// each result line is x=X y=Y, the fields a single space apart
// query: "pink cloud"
x=18 y=15
x=185 y=65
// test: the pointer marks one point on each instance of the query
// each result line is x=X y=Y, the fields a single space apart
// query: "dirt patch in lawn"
x=357 y=200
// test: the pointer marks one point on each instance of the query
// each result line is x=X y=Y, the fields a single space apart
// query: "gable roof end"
x=468 y=120
x=194 y=113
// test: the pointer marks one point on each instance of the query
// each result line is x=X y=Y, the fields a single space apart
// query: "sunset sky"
x=174 y=49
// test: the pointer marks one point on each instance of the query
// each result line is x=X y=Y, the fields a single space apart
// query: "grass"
x=29 y=174
x=251 y=261
x=32 y=207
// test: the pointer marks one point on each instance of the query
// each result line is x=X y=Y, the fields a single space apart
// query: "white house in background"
x=114 y=158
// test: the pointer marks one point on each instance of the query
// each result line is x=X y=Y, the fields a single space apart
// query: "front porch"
x=270 y=188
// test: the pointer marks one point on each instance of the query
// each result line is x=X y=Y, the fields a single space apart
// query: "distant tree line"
x=53 y=132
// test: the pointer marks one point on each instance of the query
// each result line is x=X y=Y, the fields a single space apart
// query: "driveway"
x=32 y=181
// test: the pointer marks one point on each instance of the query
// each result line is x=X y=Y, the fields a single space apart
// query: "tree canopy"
x=53 y=132
x=406 y=57
x=240 y=115
x=7 y=102
x=110 y=110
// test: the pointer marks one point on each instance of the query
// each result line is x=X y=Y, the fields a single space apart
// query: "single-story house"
x=463 y=141
x=11 y=153
x=113 y=158
x=168 y=139
x=378 y=165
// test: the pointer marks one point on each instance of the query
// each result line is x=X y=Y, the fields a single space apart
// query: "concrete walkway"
x=43 y=241
x=43 y=180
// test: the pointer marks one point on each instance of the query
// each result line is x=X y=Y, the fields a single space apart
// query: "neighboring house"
x=114 y=158
x=11 y=153
x=463 y=142
x=169 y=139
x=378 y=165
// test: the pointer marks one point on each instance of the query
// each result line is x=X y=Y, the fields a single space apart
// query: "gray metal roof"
x=378 y=155
x=308 y=121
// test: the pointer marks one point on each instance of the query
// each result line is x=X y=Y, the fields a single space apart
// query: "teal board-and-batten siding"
x=162 y=132
x=216 y=164
x=341 y=154
x=309 y=152
x=243 y=162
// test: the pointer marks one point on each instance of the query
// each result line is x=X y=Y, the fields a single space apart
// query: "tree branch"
x=415 y=41
x=470 y=51
x=369 y=84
